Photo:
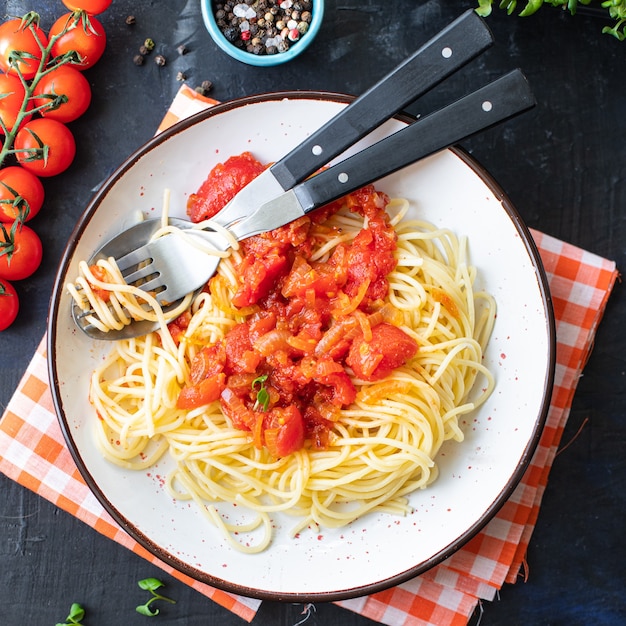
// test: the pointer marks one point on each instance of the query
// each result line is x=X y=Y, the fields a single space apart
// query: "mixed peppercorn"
x=263 y=26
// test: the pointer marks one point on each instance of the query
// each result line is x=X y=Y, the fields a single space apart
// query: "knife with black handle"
x=495 y=102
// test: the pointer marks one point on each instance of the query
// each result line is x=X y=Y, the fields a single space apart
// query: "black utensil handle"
x=453 y=47
x=477 y=111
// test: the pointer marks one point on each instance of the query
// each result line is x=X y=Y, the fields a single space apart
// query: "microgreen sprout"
x=616 y=10
x=262 y=396
x=151 y=585
x=77 y=613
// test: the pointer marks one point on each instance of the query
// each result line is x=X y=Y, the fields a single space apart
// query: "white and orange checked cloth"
x=33 y=453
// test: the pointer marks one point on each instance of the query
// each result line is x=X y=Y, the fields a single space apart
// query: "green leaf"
x=150 y=584
x=615 y=32
x=77 y=613
x=484 y=8
x=616 y=10
x=509 y=5
x=144 y=609
x=532 y=6
x=262 y=396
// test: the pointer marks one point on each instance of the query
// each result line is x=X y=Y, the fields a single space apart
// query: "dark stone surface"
x=563 y=165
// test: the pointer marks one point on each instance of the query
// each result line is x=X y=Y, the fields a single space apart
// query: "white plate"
x=476 y=477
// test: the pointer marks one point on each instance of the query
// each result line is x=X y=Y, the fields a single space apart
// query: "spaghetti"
x=108 y=303
x=377 y=448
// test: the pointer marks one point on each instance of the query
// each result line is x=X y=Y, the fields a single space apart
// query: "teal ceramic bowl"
x=262 y=60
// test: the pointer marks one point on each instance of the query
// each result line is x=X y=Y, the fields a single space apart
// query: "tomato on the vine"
x=20 y=251
x=21 y=194
x=45 y=147
x=84 y=34
x=9 y=304
x=92 y=7
x=11 y=99
x=67 y=93
x=19 y=50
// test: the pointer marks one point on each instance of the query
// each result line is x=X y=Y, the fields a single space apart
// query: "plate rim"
x=165 y=555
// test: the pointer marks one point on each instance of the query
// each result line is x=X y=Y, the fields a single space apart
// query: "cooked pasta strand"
x=383 y=447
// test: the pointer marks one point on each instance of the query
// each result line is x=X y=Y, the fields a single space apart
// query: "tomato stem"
x=31 y=20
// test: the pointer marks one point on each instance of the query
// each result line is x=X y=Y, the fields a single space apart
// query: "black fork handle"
x=490 y=105
x=457 y=44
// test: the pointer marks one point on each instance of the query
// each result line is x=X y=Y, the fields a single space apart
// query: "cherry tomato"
x=9 y=304
x=66 y=92
x=84 y=34
x=50 y=144
x=92 y=7
x=19 y=50
x=13 y=94
x=21 y=194
x=20 y=251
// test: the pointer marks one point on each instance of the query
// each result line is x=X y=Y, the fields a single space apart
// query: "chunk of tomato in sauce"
x=370 y=259
x=204 y=392
x=221 y=185
x=317 y=428
x=235 y=409
x=240 y=354
x=258 y=277
x=283 y=431
x=208 y=362
x=390 y=347
x=341 y=390
x=100 y=274
x=178 y=326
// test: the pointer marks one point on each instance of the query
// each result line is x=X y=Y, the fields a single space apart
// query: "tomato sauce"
x=285 y=373
x=224 y=181
x=102 y=275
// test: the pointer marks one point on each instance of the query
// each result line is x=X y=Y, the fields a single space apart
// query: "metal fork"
x=179 y=267
x=172 y=265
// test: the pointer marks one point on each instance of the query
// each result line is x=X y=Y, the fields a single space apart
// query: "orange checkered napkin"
x=33 y=453
x=580 y=284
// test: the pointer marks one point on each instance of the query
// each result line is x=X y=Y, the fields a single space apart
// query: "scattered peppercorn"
x=263 y=26
x=130 y=20
x=181 y=77
x=139 y=59
x=149 y=44
x=143 y=50
x=204 y=88
x=159 y=59
x=182 y=49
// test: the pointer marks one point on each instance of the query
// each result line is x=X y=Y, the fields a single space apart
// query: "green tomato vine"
x=46 y=65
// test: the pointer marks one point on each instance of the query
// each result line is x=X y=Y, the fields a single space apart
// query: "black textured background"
x=563 y=165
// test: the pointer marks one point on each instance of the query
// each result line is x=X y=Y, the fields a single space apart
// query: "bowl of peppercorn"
x=263 y=32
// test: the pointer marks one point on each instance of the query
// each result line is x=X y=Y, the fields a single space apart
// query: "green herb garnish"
x=616 y=10
x=151 y=585
x=77 y=613
x=262 y=396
